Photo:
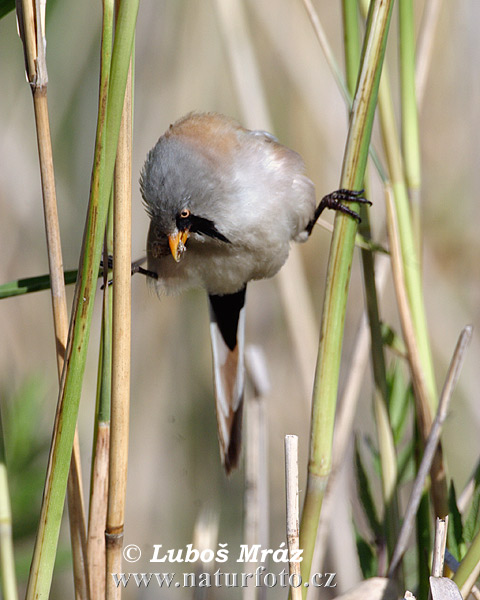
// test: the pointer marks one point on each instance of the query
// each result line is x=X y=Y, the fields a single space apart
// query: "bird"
x=225 y=203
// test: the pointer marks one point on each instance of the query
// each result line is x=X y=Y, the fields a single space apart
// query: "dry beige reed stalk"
x=293 y=515
x=98 y=513
x=31 y=25
x=121 y=345
x=439 y=545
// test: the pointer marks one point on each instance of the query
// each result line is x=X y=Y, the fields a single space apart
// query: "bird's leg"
x=335 y=201
x=135 y=268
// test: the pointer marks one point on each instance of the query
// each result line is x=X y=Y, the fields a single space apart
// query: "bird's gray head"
x=180 y=191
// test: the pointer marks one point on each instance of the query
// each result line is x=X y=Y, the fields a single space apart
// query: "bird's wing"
x=227 y=330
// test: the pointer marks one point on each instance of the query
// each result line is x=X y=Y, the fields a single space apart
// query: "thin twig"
x=327 y=50
x=430 y=447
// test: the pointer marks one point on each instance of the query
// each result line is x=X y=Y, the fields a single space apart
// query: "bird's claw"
x=335 y=201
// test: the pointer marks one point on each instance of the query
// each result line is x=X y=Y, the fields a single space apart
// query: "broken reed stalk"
x=31 y=18
x=439 y=545
x=338 y=277
x=119 y=422
x=293 y=538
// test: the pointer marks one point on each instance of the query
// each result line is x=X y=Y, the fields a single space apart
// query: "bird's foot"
x=335 y=201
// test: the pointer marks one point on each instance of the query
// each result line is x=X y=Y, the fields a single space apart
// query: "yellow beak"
x=177 y=242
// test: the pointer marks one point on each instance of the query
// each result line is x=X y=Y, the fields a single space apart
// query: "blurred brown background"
x=182 y=64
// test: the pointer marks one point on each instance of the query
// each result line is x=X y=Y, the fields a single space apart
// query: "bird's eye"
x=185 y=213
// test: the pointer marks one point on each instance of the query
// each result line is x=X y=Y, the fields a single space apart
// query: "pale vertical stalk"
x=256 y=510
x=7 y=562
x=98 y=513
x=121 y=345
x=76 y=510
x=293 y=527
x=426 y=40
x=32 y=32
x=205 y=537
x=75 y=500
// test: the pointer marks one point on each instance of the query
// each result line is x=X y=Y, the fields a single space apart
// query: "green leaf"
x=393 y=341
x=400 y=399
x=366 y=556
x=406 y=463
x=455 y=539
x=424 y=546
x=365 y=495
x=26 y=448
x=472 y=521
x=27 y=285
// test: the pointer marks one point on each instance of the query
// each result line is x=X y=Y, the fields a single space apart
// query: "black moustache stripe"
x=201 y=225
